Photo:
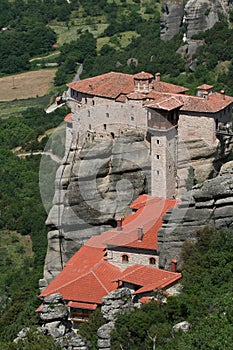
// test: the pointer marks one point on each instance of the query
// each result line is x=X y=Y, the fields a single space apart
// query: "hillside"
x=123 y=36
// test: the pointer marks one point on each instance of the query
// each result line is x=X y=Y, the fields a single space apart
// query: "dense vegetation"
x=22 y=212
x=205 y=302
x=111 y=35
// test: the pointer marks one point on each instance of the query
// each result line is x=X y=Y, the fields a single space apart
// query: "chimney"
x=119 y=224
x=223 y=94
x=157 y=77
x=174 y=265
x=140 y=233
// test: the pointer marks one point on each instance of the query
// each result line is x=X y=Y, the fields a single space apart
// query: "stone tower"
x=164 y=162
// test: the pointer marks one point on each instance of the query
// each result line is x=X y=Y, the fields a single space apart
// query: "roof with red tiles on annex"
x=87 y=277
x=149 y=278
x=205 y=87
x=211 y=103
x=68 y=118
x=167 y=103
x=109 y=85
x=148 y=216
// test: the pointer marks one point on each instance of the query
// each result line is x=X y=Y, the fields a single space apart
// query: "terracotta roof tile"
x=68 y=118
x=85 y=281
x=205 y=87
x=168 y=103
x=136 y=96
x=161 y=86
x=79 y=305
x=149 y=278
x=143 y=76
x=148 y=216
x=108 y=85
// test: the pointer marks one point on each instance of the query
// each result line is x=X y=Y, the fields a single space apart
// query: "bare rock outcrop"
x=94 y=185
x=209 y=204
x=171 y=18
x=117 y=302
x=191 y=17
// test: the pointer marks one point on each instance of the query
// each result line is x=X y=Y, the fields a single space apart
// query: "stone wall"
x=115 y=257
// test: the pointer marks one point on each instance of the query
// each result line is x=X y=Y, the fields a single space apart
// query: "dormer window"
x=125 y=258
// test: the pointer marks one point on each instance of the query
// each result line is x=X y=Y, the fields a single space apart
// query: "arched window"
x=152 y=261
x=125 y=258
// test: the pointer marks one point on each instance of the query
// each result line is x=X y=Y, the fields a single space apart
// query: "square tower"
x=164 y=162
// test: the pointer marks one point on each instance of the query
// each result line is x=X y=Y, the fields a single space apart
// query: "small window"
x=132 y=118
x=105 y=126
x=89 y=126
x=93 y=102
x=88 y=113
x=125 y=258
x=157 y=172
x=107 y=115
x=85 y=100
x=158 y=156
x=157 y=142
x=152 y=261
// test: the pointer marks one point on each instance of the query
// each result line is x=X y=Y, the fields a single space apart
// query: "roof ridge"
x=99 y=281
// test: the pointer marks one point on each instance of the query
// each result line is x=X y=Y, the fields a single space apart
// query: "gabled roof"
x=149 y=278
x=87 y=277
x=205 y=87
x=161 y=86
x=108 y=85
x=212 y=103
x=167 y=103
x=148 y=216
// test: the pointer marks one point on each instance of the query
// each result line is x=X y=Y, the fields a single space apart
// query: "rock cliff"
x=94 y=186
x=97 y=183
x=192 y=17
x=209 y=204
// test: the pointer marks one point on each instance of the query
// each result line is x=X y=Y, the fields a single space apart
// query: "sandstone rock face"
x=55 y=322
x=119 y=300
x=195 y=16
x=209 y=204
x=171 y=18
x=202 y=15
x=95 y=185
x=116 y=302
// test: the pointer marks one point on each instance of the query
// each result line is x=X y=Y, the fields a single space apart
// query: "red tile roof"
x=108 y=85
x=87 y=277
x=212 y=103
x=149 y=278
x=167 y=103
x=161 y=86
x=143 y=76
x=68 y=118
x=149 y=217
x=163 y=96
x=79 y=305
x=136 y=96
x=205 y=87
